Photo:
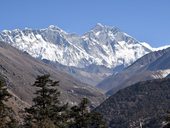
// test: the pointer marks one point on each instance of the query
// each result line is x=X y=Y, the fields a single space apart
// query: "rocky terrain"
x=144 y=104
x=19 y=70
x=154 y=65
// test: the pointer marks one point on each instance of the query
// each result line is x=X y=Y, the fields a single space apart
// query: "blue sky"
x=146 y=20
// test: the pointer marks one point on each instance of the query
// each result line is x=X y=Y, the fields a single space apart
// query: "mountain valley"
x=90 y=58
x=126 y=80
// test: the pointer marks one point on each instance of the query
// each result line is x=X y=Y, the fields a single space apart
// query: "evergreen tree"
x=46 y=111
x=81 y=117
x=6 y=114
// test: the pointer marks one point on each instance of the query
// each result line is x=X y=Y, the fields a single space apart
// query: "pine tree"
x=78 y=113
x=6 y=113
x=46 y=111
x=81 y=117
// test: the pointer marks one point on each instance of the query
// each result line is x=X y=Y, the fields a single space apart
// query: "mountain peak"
x=56 y=28
x=53 y=27
x=97 y=46
x=100 y=25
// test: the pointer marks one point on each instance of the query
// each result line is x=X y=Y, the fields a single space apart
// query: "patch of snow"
x=97 y=34
x=154 y=49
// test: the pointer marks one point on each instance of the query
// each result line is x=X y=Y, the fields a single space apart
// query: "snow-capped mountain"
x=103 y=45
x=90 y=57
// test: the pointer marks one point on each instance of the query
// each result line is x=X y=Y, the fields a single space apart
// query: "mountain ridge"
x=20 y=70
x=144 y=103
x=58 y=37
x=101 y=46
x=153 y=65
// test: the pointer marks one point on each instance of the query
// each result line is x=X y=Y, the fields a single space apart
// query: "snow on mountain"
x=155 y=65
x=102 y=46
x=154 y=49
x=112 y=46
x=50 y=43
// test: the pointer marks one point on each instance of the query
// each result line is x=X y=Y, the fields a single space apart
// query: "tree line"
x=47 y=110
